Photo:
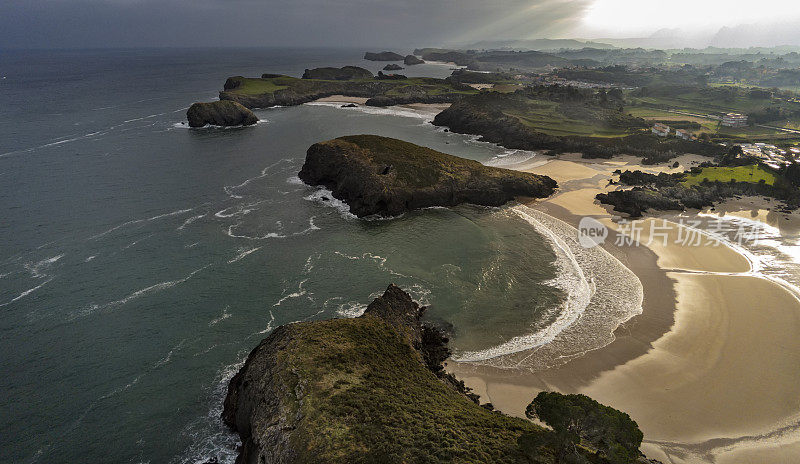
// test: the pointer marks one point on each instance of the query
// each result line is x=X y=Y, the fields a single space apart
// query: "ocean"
x=141 y=261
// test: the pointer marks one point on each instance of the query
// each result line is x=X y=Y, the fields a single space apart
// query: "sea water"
x=142 y=260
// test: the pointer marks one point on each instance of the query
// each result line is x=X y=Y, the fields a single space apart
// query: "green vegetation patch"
x=752 y=174
x=419 y=166
x=372 y=400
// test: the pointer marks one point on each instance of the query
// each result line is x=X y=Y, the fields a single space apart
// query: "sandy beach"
x=708 y=369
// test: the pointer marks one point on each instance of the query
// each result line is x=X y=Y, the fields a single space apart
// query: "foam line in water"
x=26 y=292
x=570 y=280
x=601 y=295
x=137 y=294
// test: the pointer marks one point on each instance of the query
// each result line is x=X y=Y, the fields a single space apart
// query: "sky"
x=386 y=23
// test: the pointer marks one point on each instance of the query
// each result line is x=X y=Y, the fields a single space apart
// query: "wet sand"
x=708 y=370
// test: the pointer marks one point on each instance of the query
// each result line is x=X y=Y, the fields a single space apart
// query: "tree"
x=577 y=418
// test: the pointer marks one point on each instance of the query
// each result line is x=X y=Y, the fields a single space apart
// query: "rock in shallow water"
x=220 y=113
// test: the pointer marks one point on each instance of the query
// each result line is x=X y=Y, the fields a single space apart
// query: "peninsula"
x=278 y=90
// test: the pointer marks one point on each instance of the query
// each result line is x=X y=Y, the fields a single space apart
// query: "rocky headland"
x=344 y=73
x=514 y=120
x=383 y=90
x=392 y=67
x=384 y=176
x=698 y=188
x=220 y=113
x=372 y=389
x=383 y=56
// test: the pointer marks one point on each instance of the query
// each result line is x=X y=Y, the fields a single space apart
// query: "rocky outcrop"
x=368 y=389
x=338 y=74
x=383 y=56
x=392 y=67
x=384 y=176
x=220 y=113
x=411 y=60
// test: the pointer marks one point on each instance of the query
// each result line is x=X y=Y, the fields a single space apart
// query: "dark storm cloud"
x=120 y=23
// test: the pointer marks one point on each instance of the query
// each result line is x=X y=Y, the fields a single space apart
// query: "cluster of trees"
x=584 y=431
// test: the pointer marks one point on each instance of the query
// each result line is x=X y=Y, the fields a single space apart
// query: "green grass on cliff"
x=753 y=174
x=419 y=166
x=430 y=86
x=258 y=86
x=371 y=400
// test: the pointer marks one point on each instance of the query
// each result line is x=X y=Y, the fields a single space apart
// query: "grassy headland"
x=272 y=90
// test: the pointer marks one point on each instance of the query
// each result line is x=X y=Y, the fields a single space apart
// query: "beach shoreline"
x=667 y=366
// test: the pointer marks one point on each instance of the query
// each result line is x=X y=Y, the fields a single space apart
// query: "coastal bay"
x=709 y=325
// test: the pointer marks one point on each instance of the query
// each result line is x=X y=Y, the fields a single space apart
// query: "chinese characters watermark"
x=686 y=232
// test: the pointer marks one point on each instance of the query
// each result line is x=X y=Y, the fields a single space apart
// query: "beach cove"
x=705 y=368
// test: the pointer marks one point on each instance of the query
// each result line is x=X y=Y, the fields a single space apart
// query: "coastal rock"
x=392 y=67
x=220 y=113
x=391 y=77
x=411 y=60
x=338 y=74
x=358 y=390
x=384 y=176
x=383 y=56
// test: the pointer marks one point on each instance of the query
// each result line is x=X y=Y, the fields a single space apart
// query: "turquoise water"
x=141 y=261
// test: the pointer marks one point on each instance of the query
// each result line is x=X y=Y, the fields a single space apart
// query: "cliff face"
x=220 y=113
x=358 y=390
x=379 y=175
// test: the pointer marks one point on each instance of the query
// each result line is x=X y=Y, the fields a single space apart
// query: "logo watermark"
x=681 y=231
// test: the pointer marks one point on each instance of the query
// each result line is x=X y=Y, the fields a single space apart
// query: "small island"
x=387 y=177
x=220 y=113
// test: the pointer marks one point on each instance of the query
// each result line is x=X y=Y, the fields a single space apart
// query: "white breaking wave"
x=225 y=315
x=571 y=280
x=311 y=227
x=511 y=158
x=26 y=292
x=300 y=292
x=242 y=253
x=325 y=197
x=601 y=295
x=38 y=269
x=138 y=293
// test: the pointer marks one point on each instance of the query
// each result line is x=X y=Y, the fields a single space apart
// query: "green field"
x=258 y=86
x=548 y=117
x=753 y=173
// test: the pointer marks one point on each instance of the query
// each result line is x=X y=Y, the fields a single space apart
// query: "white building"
x=661 y=130
x=683 y=134
x=734 y=120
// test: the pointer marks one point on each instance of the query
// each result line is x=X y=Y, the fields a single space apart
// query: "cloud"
x=376 y=23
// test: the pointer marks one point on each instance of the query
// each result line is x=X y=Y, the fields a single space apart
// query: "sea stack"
x=220 y=113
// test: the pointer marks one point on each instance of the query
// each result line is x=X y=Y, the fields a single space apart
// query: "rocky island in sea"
x=220 y=113
x=385 y=176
